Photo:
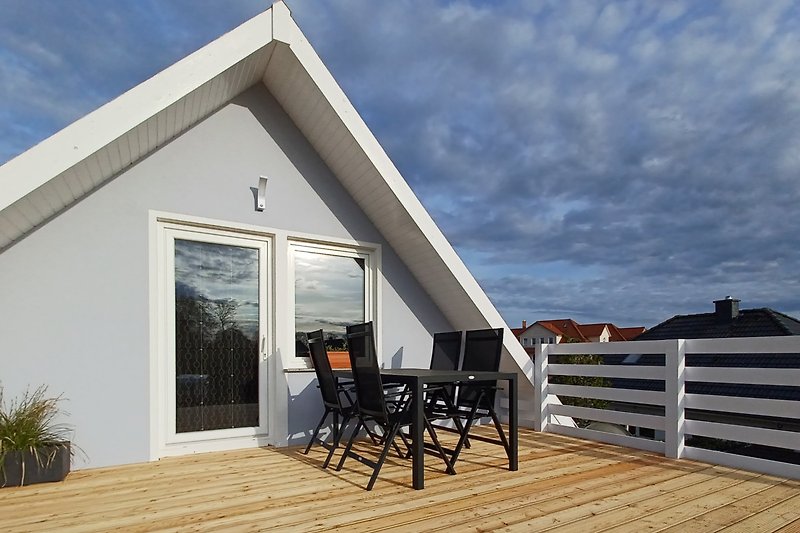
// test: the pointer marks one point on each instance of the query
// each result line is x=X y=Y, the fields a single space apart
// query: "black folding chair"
x=445 y=356
x=332 y=395
x=373 y=402
x=475 y=400
x=446 y=350
x=439 y=400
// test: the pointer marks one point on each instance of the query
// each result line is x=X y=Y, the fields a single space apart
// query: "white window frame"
x=371 y=256
x=165 y=441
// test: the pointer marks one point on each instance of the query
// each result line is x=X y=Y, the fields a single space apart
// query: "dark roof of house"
x=763 y=322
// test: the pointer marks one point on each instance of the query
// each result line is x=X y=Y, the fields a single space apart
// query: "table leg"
x=513 y=422
x=417 y=433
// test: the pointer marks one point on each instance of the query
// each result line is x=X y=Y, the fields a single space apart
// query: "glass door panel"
x=217 y=334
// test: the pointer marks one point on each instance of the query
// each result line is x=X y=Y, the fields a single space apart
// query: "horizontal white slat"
x=750 y=406
x=767 y=437
x=654 y=446
x=607 y=415
x=615 y=348
x=755 y=464
x=763 y=376
x=606 y=393
x=608 y=371
x=744 y=345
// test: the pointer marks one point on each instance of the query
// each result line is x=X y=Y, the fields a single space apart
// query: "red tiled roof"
x=592 y=330
x=565 y=327
x=628 y=334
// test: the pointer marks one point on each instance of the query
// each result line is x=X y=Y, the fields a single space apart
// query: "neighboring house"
x=150 y=275
x=727 y=320
x=625 y=334
x=567 y=330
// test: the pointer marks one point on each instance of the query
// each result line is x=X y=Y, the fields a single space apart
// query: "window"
x=525 y=341
x=333 y=288
x=552 y=340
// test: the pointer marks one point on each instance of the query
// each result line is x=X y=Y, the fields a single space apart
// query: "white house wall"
x=537 y=332
x=75 y=292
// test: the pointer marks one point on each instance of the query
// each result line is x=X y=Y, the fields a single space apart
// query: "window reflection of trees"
x=216 y=363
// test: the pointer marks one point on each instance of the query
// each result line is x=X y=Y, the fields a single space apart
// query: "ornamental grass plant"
x=28 y=426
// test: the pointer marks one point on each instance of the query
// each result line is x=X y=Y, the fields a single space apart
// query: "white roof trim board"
x=40 y=183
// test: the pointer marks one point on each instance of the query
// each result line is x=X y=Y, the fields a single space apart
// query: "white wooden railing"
x=675 y=374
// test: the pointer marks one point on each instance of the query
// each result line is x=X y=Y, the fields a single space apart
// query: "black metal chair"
x=332 y=394
x=475 y=400
x=439 y=400
x=446 y=350
x=445 y=356
x=374 y=403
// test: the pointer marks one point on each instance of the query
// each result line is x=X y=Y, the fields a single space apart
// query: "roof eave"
x=76 y=142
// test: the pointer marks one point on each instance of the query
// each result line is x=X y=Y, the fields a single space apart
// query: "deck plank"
x=728 y=515
x=562 y=483
x=784 y=517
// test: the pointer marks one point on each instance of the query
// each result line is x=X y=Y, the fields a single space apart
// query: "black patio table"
x=417 y=378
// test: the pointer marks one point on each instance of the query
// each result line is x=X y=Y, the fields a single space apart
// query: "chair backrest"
x=366 y=373
x=446 y=353
x=446 y=350
x=322 y=367
x=482 y=351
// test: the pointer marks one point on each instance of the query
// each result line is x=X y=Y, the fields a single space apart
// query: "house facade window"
x=333 y=286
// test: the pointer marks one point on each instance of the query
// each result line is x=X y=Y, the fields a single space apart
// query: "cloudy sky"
x=605 y=161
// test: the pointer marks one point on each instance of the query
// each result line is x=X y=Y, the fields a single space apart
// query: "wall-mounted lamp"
x=261 y=199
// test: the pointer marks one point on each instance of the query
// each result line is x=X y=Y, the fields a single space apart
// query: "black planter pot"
x=23 y=468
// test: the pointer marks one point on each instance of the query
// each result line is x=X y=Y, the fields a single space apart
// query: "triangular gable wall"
x=40 y=183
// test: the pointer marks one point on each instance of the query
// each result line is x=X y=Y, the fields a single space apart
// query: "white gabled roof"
x=270 y=48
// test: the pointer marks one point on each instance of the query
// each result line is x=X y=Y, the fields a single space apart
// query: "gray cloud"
x=650 y=149
x=620 y=161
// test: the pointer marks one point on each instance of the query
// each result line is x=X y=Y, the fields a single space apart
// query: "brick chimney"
x=524 y=324
x=726 y=310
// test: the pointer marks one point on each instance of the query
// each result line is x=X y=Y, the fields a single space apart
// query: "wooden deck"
x=563 y=484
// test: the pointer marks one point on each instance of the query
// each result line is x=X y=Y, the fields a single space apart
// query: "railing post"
x=540 y=389
x=675 y=399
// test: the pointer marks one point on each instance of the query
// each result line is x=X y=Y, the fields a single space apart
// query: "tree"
x=583 y=381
